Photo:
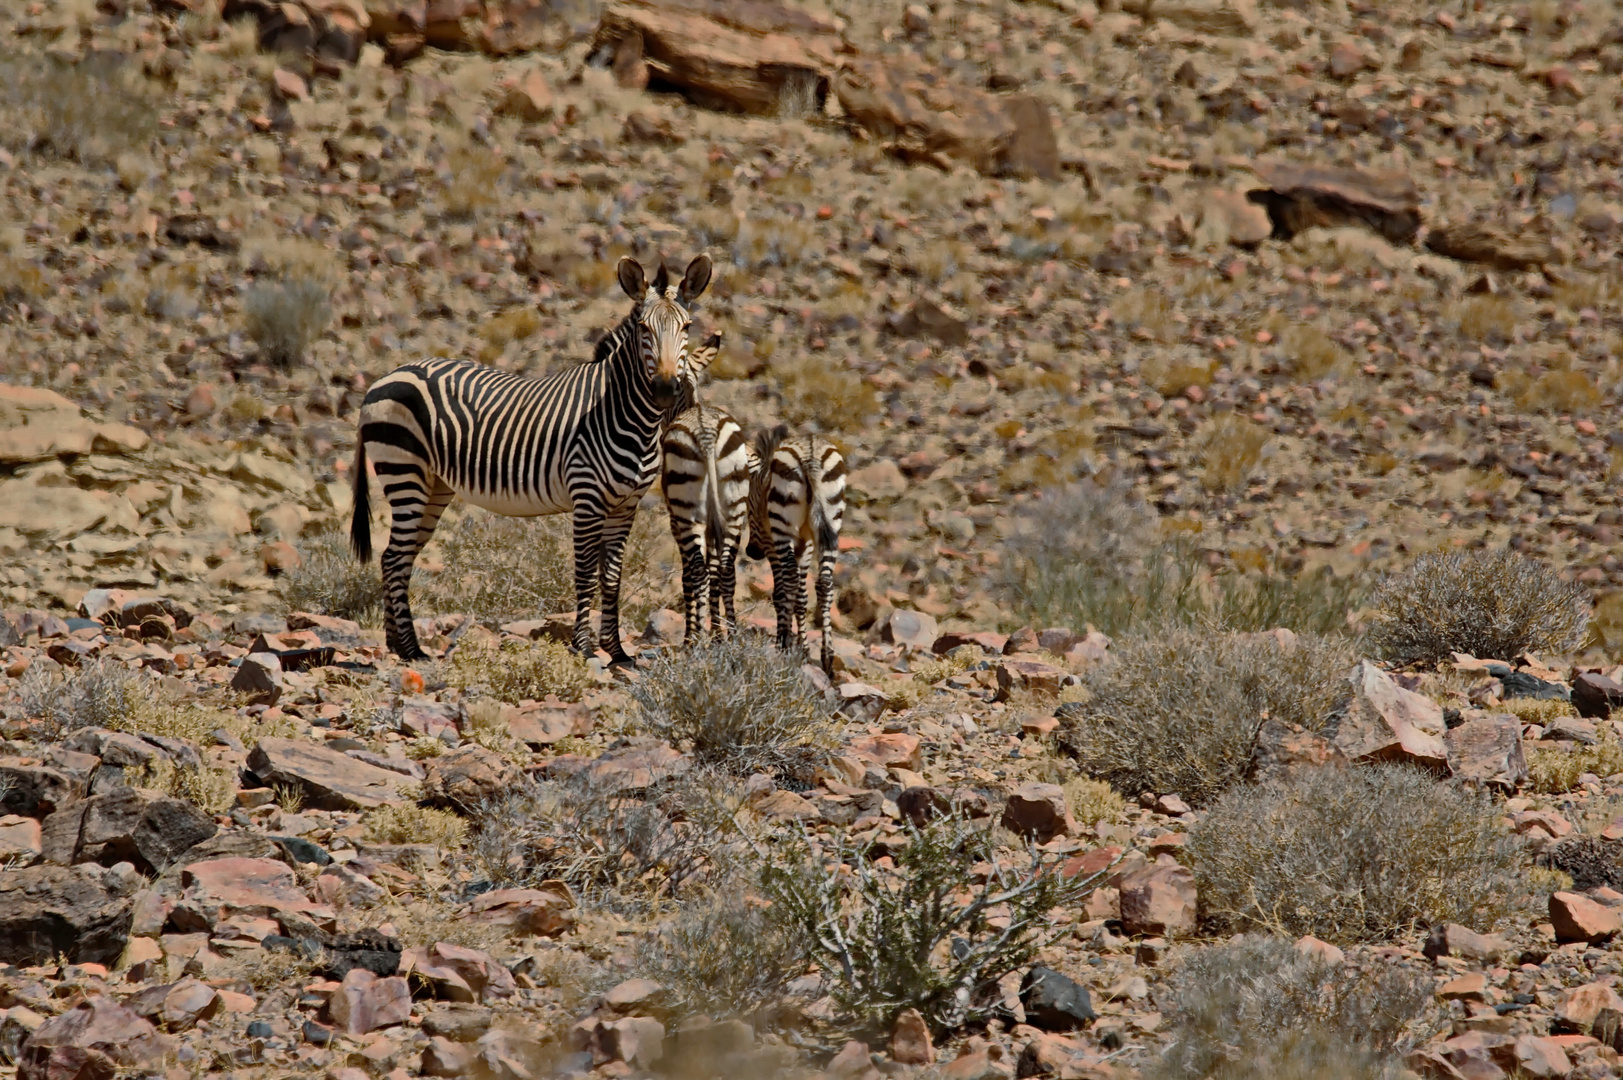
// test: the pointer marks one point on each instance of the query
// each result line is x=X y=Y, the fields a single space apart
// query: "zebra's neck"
x=628 y=375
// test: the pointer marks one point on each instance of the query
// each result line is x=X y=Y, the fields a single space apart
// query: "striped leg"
x=802 y=568
x=724 y=586
x=414 y=517
x=784 y=597
x=588 y=530
x=615 y=532
x=825 y=598
x=695 y=578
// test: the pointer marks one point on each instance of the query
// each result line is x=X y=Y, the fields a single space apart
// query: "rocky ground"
x=238 y=836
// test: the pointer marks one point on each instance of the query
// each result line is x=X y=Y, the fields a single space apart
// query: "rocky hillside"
x=1157 y=337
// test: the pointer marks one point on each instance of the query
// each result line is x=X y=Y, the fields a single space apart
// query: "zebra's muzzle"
x=664 y=391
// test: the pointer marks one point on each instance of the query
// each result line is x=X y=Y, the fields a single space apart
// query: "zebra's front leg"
x=615 y=531
x=783 y=591
x=588 y=528
x=825 y=599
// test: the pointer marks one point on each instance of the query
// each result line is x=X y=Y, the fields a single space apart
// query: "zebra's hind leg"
x=695 y=583
x=587 y=522
x=784 y=599
x=615 y=531
x=825 y=599
x=723 y=589
x=802 y=567
x=414 y=516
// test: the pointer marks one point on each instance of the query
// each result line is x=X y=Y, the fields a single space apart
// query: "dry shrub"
x=1178 y=712
x=1354 y=854
x=1146 y=309
x=906 y=693
x=517 y=670
x=1173 y=374
x=414 y=825
x=927 y=935
x=98 y=694
x=741 y=704
x=89 y=110
x=1536 y=710
x=1257 y=1007
x=821 y=393
x=624 y=849
x=267 y=970
x=1487 y=318
x=1570 y=392
x=1091 y=554
x=1311 y=353
x=1589 y=861
x=471 y=186
x=283 y=316
x=1491 y=605
x=1555 y=769
x=1229 y=451
x=1092 y=801
x=328 y=581
x=727 y=954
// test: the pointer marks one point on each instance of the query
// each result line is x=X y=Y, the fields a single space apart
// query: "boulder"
x=467 y=776
x=80 y=912
x=1579 y=1007
x=1055 y=1002
x=215 y=890
x=260 y=677
x=545 y=911
x=910 y=1040
x=1490 y=245
x=364 y=1002
x=1032 y=676
x=36 y=423
x=459 y=974
x=91 y=1041
x=1384 y=722
x=329 y=779
x=1038 y=811
x=19 y=839
x=639 y=1041
x=1578 y=918
x=1158 y=901
x=125 y=825
x=547 y=723
x=30 y=789
x=1595 y=695
x=1281 y=750
x=914 y=629
x=1487 y=750
x=1301 y=196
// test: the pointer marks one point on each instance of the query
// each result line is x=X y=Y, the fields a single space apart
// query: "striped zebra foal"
x=583 y=442
x=796 y=502
x=706 y=480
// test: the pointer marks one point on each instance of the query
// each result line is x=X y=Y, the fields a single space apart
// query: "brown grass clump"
x=1311 y=353
x=728 y=954
x=472 y=184
x=1178 y=712
x=328 y=581
x=1487 y=318
x=1230 y=451
x=1554 y=769
x=414 y=825
x=518 y=670
x=1256 y=1007
x=1172 y=375
x=284 y=316
x=817 y=391
x=273 y=969
x=1145 y=309
x=90 y=110
x=1565 y=392
x=1491 y=605
x=1092 y=801
x=740 y=704
x=1354 y=854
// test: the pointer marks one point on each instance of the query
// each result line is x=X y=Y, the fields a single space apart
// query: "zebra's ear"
x=631 y=280
x=662 y=280
x=697 y=278
x=699 y=359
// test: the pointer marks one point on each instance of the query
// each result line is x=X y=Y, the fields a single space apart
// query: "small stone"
x=1463 y=942
x=1039 y=811
x=916 y=19
x=528 y=98
x=364 y=1002
x=1172 y=806
x=639 y=1041
x=290 y=84
x=910 y=1040
x=1347 y=60
x=1055 y=1002
x=861 y=702
x=897 y=748
x=1578 y=918
x=260 y=677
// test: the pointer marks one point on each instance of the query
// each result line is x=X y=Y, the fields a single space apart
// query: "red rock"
x=898 y=748
x=1039 y=811
x=1029 y=675
x=1547 y=820
x=443 y=1057
x=910 y=1040
x=1539 y=1057
x=1091 y=862
x=1323 y=950
x=1348 y=59
x=89 y=1042
x=459 y=974
x=364 y=1002
x=1472 y=986
x=1385 y=722
x=1158 y=901
x=217 y=889
x=852 y=1063
x=546 y=911
x=1578 y=918
x=290 y=84
x=547 y=723
x=1579 y=1006
x=639 y=1041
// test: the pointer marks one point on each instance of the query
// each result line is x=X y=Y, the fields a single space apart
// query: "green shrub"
x=1354 y=854
x=1179 y=712
x=741 y=704
x=1492 y=605
x=1256 y=1007
x=926 y=935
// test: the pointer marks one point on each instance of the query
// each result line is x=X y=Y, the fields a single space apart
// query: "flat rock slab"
x=220 y=889
x=329 y=779
x=126 y=825
x=1489 y=245
x=92 y=1039
x=1300 y=196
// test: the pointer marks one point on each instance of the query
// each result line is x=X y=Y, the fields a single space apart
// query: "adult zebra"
x=583 y=441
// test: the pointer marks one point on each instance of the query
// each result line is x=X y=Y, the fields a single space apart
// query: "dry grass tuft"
x=267 y=970
x=1491 y=605
x=1229 y=451
x=906 y=693
x=90 y=110
x=1354 y=854
x=1256 y=1007
x=1178 y=712
x=1490 y=319
x=1561 y=392
x=819 y=392
x=727 y=954
x=518 y=670
x=415 y=825
x=1092 y=801
x=473 y=181
x=1148 y=310
x=99 y=694
x=284 y=316
x=329 y=581
x=1311 y=353
x=1554 y=769
x=741 y=705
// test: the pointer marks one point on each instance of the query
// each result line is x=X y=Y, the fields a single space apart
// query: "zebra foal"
x=583 y=442
x=706 y=480
x=796 y=506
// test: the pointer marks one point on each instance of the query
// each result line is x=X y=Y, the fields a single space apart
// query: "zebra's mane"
x=625 y=331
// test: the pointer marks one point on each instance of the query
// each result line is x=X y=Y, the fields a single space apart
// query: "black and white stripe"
x=796 y=506
x=706 y=481
x=583 y=442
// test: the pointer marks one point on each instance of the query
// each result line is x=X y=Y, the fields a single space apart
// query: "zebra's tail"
x=811 y=470
x=360 y=522
x=715 y=528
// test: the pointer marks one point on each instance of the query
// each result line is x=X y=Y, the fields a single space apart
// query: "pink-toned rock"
x=548 y=722
x=1579 y=1006
x=290 y=84
x=19 y=838
x=1229 y=214
x=329 y=779
x=639 y=1041
x=1158 y=901
x=898 y=748
x=1040 y=811
x=1541 y=1057
x=527 y=97
x=90 y=1041
x=1282 y=750
x=1472 y=986
x=545 y=911
x=443 y=1057
x=217 y=889
x=188 y=1002
x=914 y=629
x=1034 y=676
x=1321 y=950
x=1488 y=751
x=910 y=1040
x=1385 y=722
x=459 y=974
x=853 y=1062
x=364 y=1002
x=1548 y=821
x=1578 y=918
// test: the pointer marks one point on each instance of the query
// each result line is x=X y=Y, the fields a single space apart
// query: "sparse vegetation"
x=1178 y=712
x=1491 y=605
x=1354 y=854
x=739 y=704
x=817 y=391
x=98 y=694
x=517 y=670
x=284 y=316
x=922 y=936
x=1092 y=801
x=328 y=581
x=1555 y=769
x=407 y=824
x=88 y=110
x=725 y=954
x=1230 y=451
x=1258 y=1007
